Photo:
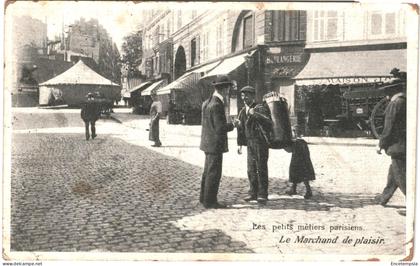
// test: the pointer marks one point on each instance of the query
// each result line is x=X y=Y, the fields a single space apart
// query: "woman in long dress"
x=155 y=112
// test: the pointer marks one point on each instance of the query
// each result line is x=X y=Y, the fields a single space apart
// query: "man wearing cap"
x=253 y=129
x=214 y=141
x=90 y=113
x=393 y=140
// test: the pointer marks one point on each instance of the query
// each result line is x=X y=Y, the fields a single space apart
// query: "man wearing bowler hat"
x=393 y=137
x=90 y=113
x=214 y=141
x=253 y=129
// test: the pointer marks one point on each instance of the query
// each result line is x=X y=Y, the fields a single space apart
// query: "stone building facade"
x=351 y=55
x=90 y=39
x=252 y=46
x=30 y=65
x=272 y=50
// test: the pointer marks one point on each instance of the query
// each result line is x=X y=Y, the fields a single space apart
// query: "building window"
x=162 y=33
x=383 y=23
x=390 y=23
x=325 y=25
x=179 y=21
x=219 y=38
x=205 y=46
x=193 y=52
x=248 y=32
x=168 y=29
x=152 y=66
x=376 y=25
x=156 y=36
x=289 y=25
x=172 y=23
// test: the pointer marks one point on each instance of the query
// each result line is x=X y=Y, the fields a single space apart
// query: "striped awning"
x=140 y=86
x=126 y=94
x=351 y=67
x=228 y=65
x=152 y=87
x=186 y=81
x=189 y=80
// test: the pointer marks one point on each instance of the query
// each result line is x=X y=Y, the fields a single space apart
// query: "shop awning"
x=126 y=94
x=205 y=69
x=140 y=86
x=228 y=65
x=186 y=81
x=189 y=80
x=152 y=87
x=351 y=67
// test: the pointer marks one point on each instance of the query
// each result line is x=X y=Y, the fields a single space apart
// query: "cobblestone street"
x=116 y=193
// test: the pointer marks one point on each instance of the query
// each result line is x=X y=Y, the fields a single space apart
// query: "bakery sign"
x=275 y=59
x=285 y=65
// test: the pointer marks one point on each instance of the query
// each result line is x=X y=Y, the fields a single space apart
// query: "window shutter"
x=197 y=41
x=302 y=25
x=282 y=25
x=390 y=23
x=248 y=32
x=275 y=25
x=287 y=23
x=294 y=25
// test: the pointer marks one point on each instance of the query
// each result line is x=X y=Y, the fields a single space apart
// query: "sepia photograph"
x=209 y=131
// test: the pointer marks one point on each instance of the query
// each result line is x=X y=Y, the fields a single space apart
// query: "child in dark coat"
x=301 y=168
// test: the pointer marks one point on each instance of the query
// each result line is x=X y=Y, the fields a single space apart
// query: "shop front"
x=147 y=99
x=184 y=96
x=265 y=68
x=282 y=64
x=242 y=70
x=337 y=94
x=135 y=100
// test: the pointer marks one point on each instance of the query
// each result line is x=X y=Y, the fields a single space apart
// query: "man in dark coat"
x=253 y=129
x=90 y=113
x=393 y=141
x=214 y=141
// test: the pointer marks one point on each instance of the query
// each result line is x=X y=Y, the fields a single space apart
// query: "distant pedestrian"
x=214 y=141
x=301 y=168
x=171 y=112
x=393 y=140
x=254 y=126
x=90 y=113
x=155 y=113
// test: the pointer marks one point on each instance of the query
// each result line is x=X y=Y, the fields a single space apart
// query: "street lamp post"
x=249 y=63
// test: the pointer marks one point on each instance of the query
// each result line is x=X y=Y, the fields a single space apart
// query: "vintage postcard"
x=169 y=131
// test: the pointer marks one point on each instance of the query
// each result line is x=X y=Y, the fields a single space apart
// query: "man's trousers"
x=92 y=127
x=396 y=179
x=257 y=168
x=211 y=178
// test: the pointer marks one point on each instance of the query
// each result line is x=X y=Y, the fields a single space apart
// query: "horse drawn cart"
x=365 y=106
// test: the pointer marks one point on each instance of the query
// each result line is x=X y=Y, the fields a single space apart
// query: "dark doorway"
x=180 y=62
